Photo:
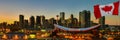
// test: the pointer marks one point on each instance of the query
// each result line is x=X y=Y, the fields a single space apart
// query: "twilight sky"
x=10 y=9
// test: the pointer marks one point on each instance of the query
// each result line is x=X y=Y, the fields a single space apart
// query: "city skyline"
x=10 y=10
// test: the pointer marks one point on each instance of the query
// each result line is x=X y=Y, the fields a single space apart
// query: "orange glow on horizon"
x=8 y=19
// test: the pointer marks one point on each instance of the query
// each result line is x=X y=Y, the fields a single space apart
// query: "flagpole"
x=118 y=20
x=118 y=15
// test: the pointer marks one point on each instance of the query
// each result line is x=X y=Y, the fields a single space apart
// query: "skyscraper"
x=32 y=21
x=80 y=18
x=21 y=20
x=26 y=24
x=84 y=18
x=72 y=19
x=16 y=23
x=42 y=19
x=102 y=22
x=75 y=22
x=38 y=20
x=52 y=21
x=62 y=17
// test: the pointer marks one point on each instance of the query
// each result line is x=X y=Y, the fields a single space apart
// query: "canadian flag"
x=109 y=9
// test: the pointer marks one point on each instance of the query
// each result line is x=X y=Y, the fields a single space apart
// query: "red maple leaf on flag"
x=107 y=8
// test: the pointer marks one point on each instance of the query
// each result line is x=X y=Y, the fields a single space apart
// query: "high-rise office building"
x=72 y=18
x=42 y=20
x=102 y=22
x=84 y=18
x=21 y=20
x=75 y=22
x=80 y=18
x=26 y=24
x=88 y=20
x=71 y=21
x=52 y=21
x=16 y=23
x=38 y=20
x=32 y=21
x=62 y=17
